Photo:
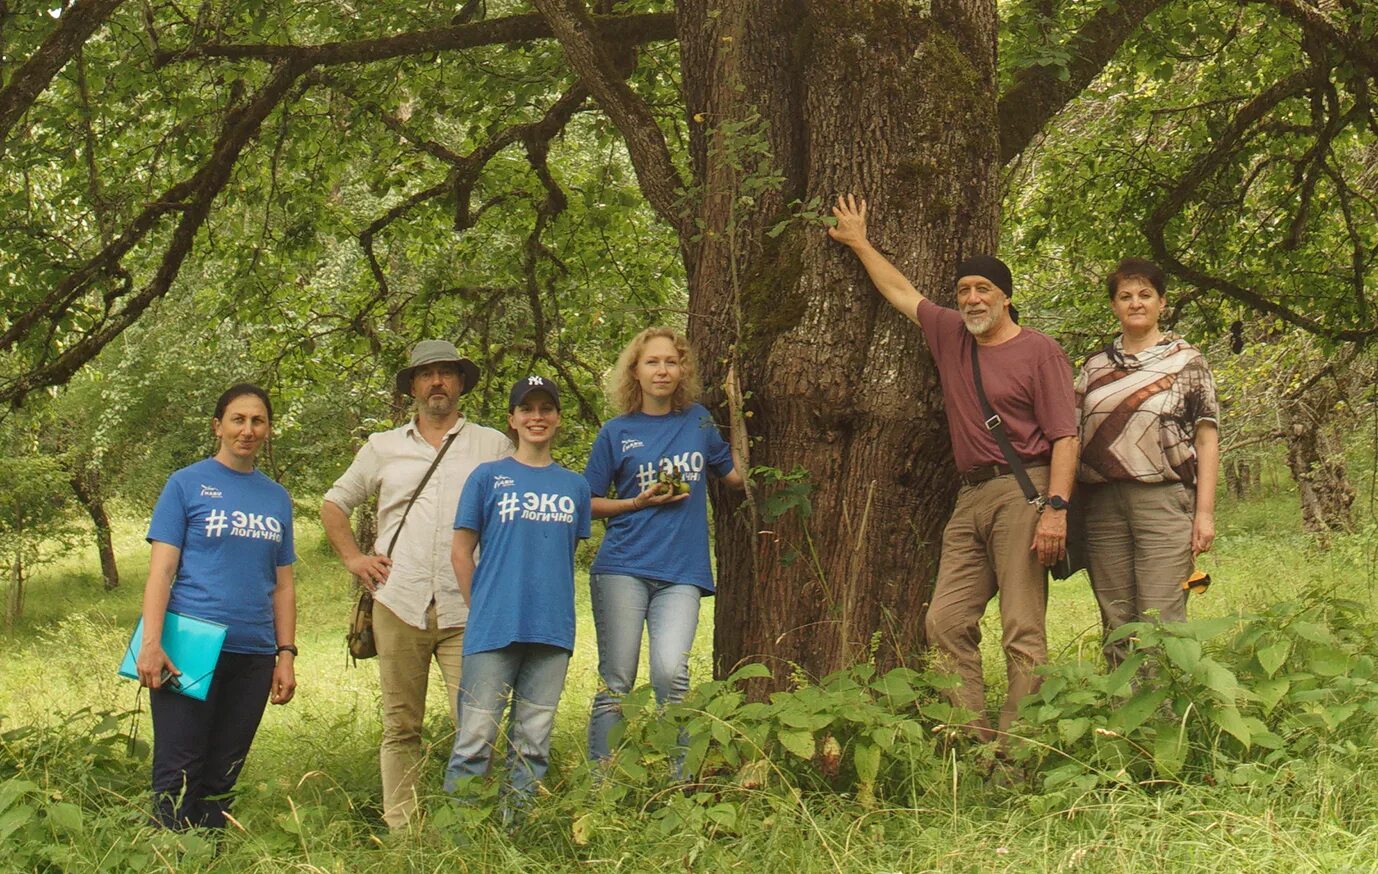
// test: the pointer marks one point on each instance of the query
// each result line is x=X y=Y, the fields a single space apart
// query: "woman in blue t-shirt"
x=653 y=565
x=525 y=514
x=221 y=538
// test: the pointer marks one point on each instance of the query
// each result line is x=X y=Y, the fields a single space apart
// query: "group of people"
x=1133 y=439
x=473 y=563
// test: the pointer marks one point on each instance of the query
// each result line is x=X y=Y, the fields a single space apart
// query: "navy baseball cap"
x=526 y=385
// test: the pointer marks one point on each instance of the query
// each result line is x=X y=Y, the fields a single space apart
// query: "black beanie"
x=991 y=268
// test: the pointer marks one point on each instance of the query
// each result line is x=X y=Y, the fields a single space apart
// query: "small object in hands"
x=169 y=680
x=670 y=475
x=1197 y=583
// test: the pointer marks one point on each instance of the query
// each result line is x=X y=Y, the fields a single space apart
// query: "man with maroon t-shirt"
x=996 y=541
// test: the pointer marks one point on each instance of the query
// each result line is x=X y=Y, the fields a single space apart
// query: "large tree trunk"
x=86 y=486
x=896 y=103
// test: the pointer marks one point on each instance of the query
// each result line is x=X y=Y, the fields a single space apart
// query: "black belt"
x=983 y=472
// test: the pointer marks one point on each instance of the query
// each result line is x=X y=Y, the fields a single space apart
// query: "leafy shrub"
x=855 y=731
x=1216 y=700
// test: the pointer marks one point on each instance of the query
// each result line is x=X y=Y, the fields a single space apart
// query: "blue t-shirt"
x=234 y=530
x=528 y=520
x=668 y=542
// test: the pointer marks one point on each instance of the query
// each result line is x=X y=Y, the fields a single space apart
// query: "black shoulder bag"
x=359 y=638
x=1074 y=557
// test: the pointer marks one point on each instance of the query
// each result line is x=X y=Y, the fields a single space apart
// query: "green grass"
x=309 y=793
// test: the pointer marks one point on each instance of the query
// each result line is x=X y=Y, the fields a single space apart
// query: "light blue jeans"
x=622 y=604
x=531 y=676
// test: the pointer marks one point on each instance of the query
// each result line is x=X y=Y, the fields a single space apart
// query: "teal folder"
x=192 y=644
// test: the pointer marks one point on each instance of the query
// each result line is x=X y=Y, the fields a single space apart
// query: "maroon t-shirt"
x=1028 y=381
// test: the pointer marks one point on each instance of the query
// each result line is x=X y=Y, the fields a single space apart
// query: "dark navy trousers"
x=199 y=747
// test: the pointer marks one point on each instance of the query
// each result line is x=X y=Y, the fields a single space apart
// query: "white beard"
x=979 y=325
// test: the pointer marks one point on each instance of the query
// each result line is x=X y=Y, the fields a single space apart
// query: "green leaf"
x=884 y=736
x=1270 y=692
x=898 y=685
x=1218 y=679
x=14 y=818
x=1229 y=719
x=12 y=789
x=800 y=743
x=1119 y=679
x=1329 y=662
x=1270 y=658
x=1070 y=730
x=723 y=815
x=1205 y=629
x=1313 y=632
x=1170 y=749
x=866 y=757
x=752 y=671
x=66 y=816
x=1183 y=652
x=1134 y=711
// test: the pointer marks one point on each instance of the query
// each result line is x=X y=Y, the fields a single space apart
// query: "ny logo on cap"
x=535 y=380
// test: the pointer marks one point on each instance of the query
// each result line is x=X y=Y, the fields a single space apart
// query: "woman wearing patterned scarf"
x=1149 y=458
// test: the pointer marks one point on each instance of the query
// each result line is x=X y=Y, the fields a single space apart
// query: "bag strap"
x=425 y=479
x=996 y=426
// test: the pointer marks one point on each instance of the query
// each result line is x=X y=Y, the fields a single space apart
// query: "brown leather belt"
x=983 y=472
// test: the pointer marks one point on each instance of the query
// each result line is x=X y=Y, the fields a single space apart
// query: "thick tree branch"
x=648 y=27
x=1319 y=26
x=241 y=126
x=1186 y=189
x=73 y=29
x=1037 y=94
x=655 y=171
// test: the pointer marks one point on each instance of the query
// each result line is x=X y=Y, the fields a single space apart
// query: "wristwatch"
x=1057 y=502
x=287 y=647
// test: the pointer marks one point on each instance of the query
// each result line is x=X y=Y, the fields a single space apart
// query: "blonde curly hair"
x=624 y=389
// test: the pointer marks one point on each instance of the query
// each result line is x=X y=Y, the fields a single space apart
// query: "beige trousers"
x=986 y=551
x=404 y=668
x=1138 y=548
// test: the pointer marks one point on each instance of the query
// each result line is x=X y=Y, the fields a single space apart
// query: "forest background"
x=294 y=193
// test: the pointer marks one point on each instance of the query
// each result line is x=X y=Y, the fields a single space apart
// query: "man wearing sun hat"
x=997 y=542
x=418 y=611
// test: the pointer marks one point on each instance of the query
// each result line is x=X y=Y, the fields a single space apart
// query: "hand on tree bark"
x=850 y=229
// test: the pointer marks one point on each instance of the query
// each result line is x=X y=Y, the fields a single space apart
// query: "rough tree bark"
x=86 y=486
x=1315 y=457
x=896 y=102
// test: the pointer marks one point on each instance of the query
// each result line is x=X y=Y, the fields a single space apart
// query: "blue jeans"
x=621 y=605
x=531 y=676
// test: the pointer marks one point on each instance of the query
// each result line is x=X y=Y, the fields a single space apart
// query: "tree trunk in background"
x=896 y=103
x=86 y=485
x=1239 y=472
x=14 y=602
x=1315 y=456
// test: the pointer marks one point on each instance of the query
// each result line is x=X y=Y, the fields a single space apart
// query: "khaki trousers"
x=1138 y=548
x=404 y=668
x=986 y=551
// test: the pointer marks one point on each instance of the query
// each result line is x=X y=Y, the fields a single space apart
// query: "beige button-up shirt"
x=392 y=464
